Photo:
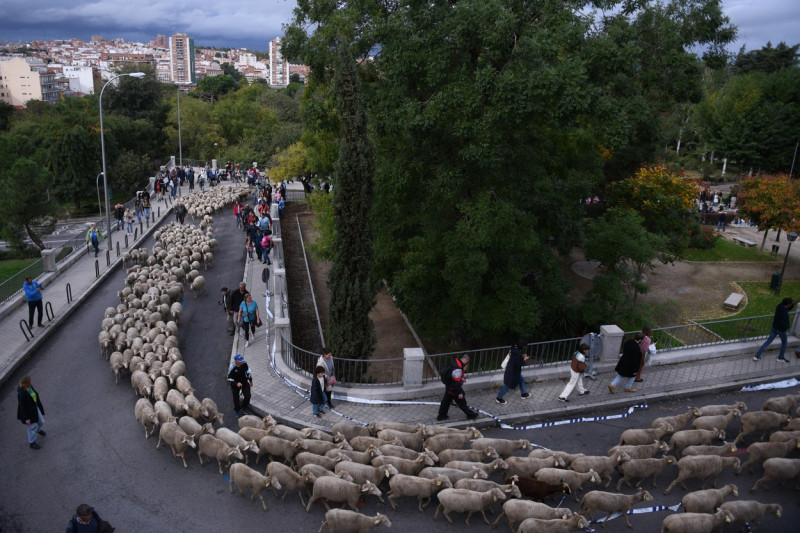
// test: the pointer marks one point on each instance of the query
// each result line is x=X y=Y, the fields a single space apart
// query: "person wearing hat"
x=86 y=520
x=30 y=410
x=33 y=295
x=241 y=381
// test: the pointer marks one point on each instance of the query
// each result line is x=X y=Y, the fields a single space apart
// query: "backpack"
x=102 y=525
x=446 y=373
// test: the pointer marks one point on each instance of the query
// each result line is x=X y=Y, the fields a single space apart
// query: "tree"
x=767 y=59
x=230 y=70
x=772 y=202
x=211 y=88
x=28 y=210
x=6 y=115
x=130 y=172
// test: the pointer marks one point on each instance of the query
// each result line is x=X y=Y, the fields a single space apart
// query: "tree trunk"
x=764 y=240
x=34 y=237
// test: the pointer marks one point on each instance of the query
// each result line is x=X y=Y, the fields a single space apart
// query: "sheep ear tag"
x=376 y=522
x=778 y=514
x=494 y=498
x=386 y=473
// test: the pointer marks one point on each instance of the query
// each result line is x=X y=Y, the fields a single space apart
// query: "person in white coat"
x=576 y=370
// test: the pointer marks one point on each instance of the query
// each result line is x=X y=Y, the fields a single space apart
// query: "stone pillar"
x=612 y=341
x=171 y=161
x=795 y=330
x=413 y=362
x=49 y=260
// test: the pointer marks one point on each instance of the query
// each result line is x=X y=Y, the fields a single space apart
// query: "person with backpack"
x=86 y=520
x=454 y=376
x=512 y=377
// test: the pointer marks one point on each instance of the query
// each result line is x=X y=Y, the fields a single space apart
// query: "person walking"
x=326 y=362
x=119 y=215
x=576 y=370
x=628 y=364
x=128 y=217
x=93 y=236
x=33 y=295
x=241 y=381
x=86 y=520
x=454 y=377
x=645 y=349
x=30 y=410
x=227 y=308
x=780 y=324
x=180 y=212
x=318 y=397
x=248 y=318
x=723 y=218
x=512 y=377
x=137 y=209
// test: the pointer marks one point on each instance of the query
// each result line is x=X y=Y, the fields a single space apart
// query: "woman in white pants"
x=576 y=370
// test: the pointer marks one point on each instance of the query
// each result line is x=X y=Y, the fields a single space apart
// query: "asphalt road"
x=95 y=451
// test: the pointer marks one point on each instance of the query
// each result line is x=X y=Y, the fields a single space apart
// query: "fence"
x=706 y=333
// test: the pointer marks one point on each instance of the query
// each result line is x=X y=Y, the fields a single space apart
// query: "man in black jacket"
x=241 y=381
x=30 y=410
x=237 y=297
x=454 y=377
x=780 y=323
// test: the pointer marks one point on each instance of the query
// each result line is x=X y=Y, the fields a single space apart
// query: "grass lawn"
x=725 y=250
x=12 y=266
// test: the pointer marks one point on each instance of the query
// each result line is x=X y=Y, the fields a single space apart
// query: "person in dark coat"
x=241 y=381
x=628 y=364
x=30 y=410
x=86 y=520
x=318 y=398
x=780 y=323
x=454 y=388
x=512 y=378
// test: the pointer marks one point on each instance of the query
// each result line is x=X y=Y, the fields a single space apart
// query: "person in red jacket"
x=454 y=377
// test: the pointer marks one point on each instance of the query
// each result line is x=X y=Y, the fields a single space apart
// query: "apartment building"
x=27 y=78
x=181 y=59
x=278 y=65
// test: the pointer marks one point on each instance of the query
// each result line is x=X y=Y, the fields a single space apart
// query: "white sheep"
x=251 y=421
x=316 y=434
x=404 y=453
x=543 y=453
x=695 y=522
x=444 y=441
x=177 y=439
x=779 y=468
x=350 y=430
x=211 y=446
x=710 y=410
x=781 y=404
x=453 y=474
x=702 y=467
x=505 y=447
x=694 y=437
x=783 y=436
x=351 y=521
x=761 y=451
x=466 y=501
x=573 y=479
x=164 y=412
x=304 y=458
x=707 y=501
x=284 y=432
x=254 y=434
x=482 y=485
x=486 y=454
x=765 y=421
x=611 y=503
x=145 y=413
x=412 y=441
x=519 y=510
x=528 y=466
x=723 y=449
x=315 y=472
x=142 y=383
x=177 y=402
x=117 y=365
x=246 y=477
x=194 y=428
x=716 y=421
x=641 y=451
x=604 y=466
x=290 y=480
x=750 y=511
x=468 y=466
x=421 y=488
x=678 y=422
x=644 y=436
x=334 y=489
x=537 y=525
x=403 y=466
x=375 y=427
x=642 y=469
x=198 y=285
x=232 y=438
x=320 y=447
x=213 y=412
x=364 y=458
x=183 y=385
x=363 y=473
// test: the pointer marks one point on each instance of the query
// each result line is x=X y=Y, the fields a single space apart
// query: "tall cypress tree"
x=351 y=333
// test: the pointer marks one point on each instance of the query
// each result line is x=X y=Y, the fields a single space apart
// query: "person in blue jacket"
x=33 y=294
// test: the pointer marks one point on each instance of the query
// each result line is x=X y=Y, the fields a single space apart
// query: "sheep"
x=244 y=476
x=375 y=427
x=421 y=488
x=452 y=474
x=363 y=458
x=183 y=385
x=527 y=466
x=251 y=421
x=160 y=388
x=678 y=422
x=690 y=437
x=254 y=434
x=761 y=451
x=783 y=436
x=337 y=490
x=363 y=473
x=213 y=412
x=722 y=449
x=117 y=365
x=539 y=490
x=466 y=501
x=642 y=469
x=409 y=440
x=781 y=404
x=641 y=451
x=142 y=383
x=198 y=285
x=707 y=501
x=710 y=410
x=177 y=402
x=304 y=458
x=284 y=432
x=695 y=522
x=611 y=503
x=750 y=511
x=344 y=520
x=350 y=430
x=519 y=510
x=194 y=408
x=211 y=446
x=177 y=439
x=320 y=447
x=703 y=467
x=487 y=454
x=404 y=453
x=505 y=447
x=482 y=485
x=290 y=480
x=573 y=479
x=779 y=468
x=537 y=525
x=716 y=421
x=542 y=453
x=604 y=466
x=444 y=441
x=192 y=427
x=316 y=471
x=164 y=412
x=314 y=433
x=765 y=421
x=147 y=416
x=644 y=436
x=467 y=466
x=403 y=466
x=232 y=438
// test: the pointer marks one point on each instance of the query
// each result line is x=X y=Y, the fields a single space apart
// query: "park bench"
x=733 y=301
x=743 y=241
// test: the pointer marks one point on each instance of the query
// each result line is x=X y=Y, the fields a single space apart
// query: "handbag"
x=332 y=380
x=259 y=323
x=504 y=364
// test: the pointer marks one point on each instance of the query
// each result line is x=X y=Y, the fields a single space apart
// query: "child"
x=248 y=245
x=318 y=397
x=576 y=370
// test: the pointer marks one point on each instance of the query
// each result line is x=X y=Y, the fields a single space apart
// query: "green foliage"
x=229 y=70
x=725 y=250
x=767 y=59
x=323 y=246
x=25 y=203
x=211 y=88
x=6 y=115
x=702 y=237
x=130 y=173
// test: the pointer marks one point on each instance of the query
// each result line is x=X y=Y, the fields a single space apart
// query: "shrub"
x=703 y=238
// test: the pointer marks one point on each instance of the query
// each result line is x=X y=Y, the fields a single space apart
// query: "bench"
x=733 y=301
x=743 y=241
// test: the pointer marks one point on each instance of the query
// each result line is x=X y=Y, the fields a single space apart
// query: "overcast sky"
x=253 y=23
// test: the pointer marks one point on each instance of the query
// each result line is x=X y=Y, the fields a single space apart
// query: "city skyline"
x=252 y=24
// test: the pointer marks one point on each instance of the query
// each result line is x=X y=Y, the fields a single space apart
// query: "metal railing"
x=13 y=285
x=706 y=333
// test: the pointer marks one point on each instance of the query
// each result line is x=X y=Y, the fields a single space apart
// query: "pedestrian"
x=241 y=381
x=318 y=398
x=628 y=364
x=180 y=212
x=93 y=236
x=326 y=361
x=645 y=349
x=33 y=294
x=721 y=220
x=128 y=217
x=137 y=209
x=30 y=410
x=780 y=323
x=146 y=205
x=576 y=369
x=248 y=318
x=454 y=377
x=281 y=207
x=266 y=245
x=86 y=520
x=248 y=245
x=227 y=308
x=119 y=215
x=238 y=297
x=512 y=377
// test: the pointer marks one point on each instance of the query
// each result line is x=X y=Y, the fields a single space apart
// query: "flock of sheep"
x=139 y=336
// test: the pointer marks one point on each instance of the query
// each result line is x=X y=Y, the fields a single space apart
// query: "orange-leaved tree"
x=771 y=201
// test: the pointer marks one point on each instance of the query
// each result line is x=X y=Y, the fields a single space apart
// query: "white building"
x=278 y=66
x=81 y=79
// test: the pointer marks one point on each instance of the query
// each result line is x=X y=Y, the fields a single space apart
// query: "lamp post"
x=791 y=237
x=180 y=144
x=138 y=75
x=218 y=152
x=97 y=186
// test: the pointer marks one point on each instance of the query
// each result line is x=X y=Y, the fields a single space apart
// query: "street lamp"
x=218 y=152
x=791 y=237
x=97 y=187
x=138 y=75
